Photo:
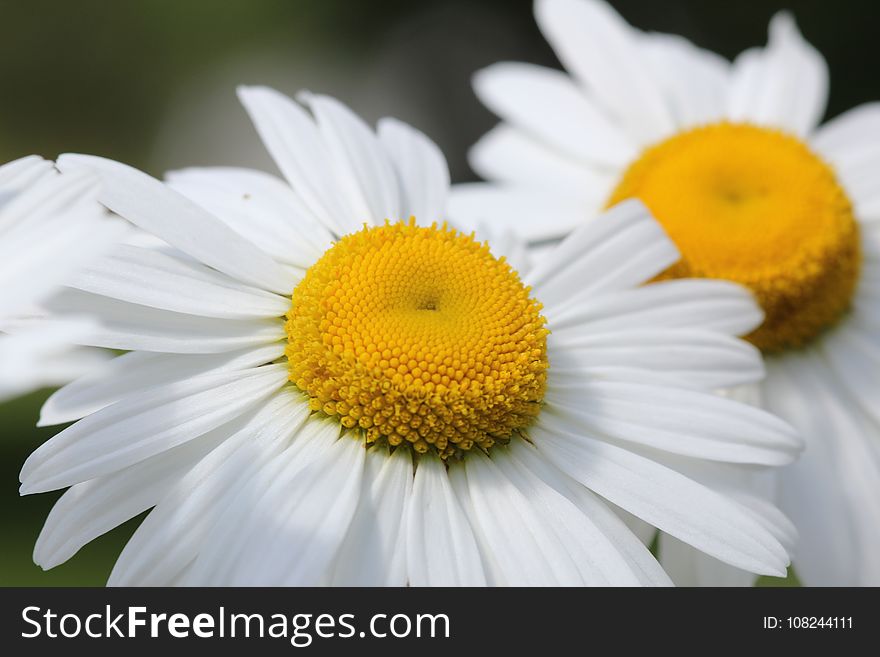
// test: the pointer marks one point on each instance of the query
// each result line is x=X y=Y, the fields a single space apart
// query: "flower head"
x=328 y=384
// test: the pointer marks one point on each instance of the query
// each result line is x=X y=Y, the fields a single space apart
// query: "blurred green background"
x=152 y=83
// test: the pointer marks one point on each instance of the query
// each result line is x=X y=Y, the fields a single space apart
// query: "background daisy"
x=732 y=161
x=50 y=226
x=347 y=437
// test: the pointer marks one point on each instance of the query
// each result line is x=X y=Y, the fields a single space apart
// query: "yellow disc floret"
x=755 y=206
x=418 y=336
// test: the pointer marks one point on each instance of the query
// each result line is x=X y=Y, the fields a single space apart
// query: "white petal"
x=690 y=567
x=538 y=535
x=830 y=492
x=151 y=205
x=24 y=172
x=692 y=423
x=754 y=489
x=37 y=228
x=525 y=547
x=852 y=350
x=43 y=356
x=694 y=80
x=364 y=169
x=602 y=51
x=373 y=553
x=621 y=249
x=770 y=516
x=134 y=429
x=92 y=508
x=296 y=528
x=441 y=550
x=292 y=139
x=159 y=280
x=175 y=531
x=843 y=139
x=851 y=143
x=685 y=303
x=134 y=327
x=533 y=214
x=138 y=371
x=703 y=358
x=621 y=541
x=784 y=85
x=508 y=155
x=252 y=517
x=667 y=500
x=422 y=173
x=548 y=106
x=262 y=208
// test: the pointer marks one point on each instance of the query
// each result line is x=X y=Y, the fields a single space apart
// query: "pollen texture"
x=758 y=207
x=418 y=336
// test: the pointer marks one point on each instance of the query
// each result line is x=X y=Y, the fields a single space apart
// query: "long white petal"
x=365 y=171
x=687 y=422
x=373 y=553
x=261 y=207
x=828 y=493
x=784 y=85
x=602 y=51
x=441 y=550
x=847 y=138
x=526 y=548
x=159 y=280
x=694 y=81
x=292 y=139
x=850 y=143
x=533 y=214
x=174 y=532
x=690 y=567
x=621 y=541
x=718 y=306
x=704 y=358
x=42 y=356
x=508 y=155
x=540 y=536
x=547 y=105
x=135 y=327
x=299 y=524
x=259 y=504
x=667 y=500
x=91 y=508
x=134 y=429
x=621 y=249
x=421 y=169
x=157 y=209
x=24 y=172
x=137 y=371
x=37 y=228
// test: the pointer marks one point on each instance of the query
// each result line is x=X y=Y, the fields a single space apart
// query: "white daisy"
x=731 y=160
x=317 y=396
x=50 y=225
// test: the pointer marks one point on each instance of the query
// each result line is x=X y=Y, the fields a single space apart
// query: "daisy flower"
x=321 y=390
x=50 y=225
x=732 y=161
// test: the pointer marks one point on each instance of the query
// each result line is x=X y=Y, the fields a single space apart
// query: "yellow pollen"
x=418 y=336
x=758 y=207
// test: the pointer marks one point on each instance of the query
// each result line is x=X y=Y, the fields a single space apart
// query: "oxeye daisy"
x=327 y=384
x=732 y=161
x=50 y=225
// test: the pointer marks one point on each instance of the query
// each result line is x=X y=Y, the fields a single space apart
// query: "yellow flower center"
x=758 y=207
x=418 y=336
